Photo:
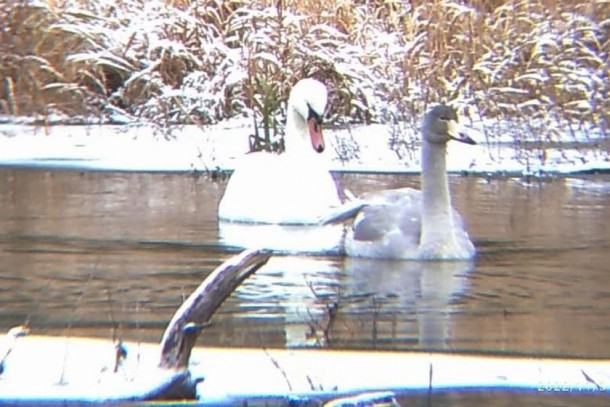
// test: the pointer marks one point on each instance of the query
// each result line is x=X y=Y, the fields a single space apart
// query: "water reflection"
x=366 y=303
x=282 y=238
x=82 y=253
x=297 y=290
x=407 y=297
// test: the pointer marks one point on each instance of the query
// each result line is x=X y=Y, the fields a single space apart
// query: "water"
x=97 y=253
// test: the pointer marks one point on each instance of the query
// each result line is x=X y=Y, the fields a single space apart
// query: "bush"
x=384 y=61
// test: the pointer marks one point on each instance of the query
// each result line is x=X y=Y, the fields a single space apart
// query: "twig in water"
x=592 y=381
x=120 y=351
x=331 y=309
x=139 y=334
x=312 y=386
x=375 y=332
x=12 y=335
x=277 y=365
x=430 y=385
x=69 y=327
x=120 y=354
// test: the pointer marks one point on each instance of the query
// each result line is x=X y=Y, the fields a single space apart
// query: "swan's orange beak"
x=315 y=133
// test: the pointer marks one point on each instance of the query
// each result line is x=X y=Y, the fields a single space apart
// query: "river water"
x=103 y=253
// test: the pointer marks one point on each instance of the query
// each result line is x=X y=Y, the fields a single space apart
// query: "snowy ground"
x=358 y=148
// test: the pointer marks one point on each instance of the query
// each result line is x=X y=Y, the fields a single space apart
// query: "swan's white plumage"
x=412 y=224
x=292 y=188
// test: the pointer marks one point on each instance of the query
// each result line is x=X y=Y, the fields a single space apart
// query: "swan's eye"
x=313 y=115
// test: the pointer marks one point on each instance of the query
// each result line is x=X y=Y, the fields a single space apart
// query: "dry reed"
x=384 y=60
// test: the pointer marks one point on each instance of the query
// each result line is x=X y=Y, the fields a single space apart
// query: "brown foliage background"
x=203 y=61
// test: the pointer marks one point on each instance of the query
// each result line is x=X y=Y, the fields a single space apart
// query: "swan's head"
x=441 y=125
x=308 y=98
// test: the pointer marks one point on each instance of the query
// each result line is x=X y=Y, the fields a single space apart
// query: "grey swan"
x=407 y=223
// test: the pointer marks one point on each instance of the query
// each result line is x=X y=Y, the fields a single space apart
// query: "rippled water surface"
x=82 y=252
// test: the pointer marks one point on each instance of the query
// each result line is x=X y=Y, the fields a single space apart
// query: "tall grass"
x=538 y=62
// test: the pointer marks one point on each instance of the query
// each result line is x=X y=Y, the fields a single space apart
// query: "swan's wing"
x=353 y=206
x=393 y=214
x=410 y=217
x=269 y=188
x=400 y=196
x=458 y=223
x=459 y=229
x=344 y=212
x=374 y=222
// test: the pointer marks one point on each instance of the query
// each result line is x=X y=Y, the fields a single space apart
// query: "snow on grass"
x=203 y=62
x=362 y=148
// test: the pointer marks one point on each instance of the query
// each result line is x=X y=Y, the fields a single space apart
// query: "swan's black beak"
x=464 y=138
x=314 y=124
x=458 y=133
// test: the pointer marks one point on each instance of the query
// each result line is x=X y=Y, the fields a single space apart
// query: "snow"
x=84 y=365
x=194 y=148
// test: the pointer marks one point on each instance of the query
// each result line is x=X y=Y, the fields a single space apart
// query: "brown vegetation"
x=203 y=61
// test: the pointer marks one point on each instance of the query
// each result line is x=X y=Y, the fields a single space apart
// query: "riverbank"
x=234 y=376
x=539 y=63
x=362 y=148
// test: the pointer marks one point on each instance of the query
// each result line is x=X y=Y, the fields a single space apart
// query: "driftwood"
x=184 y=328
x=182 y=331
x=171 y=380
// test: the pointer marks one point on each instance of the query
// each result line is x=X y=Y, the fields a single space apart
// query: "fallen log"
x=171 y=379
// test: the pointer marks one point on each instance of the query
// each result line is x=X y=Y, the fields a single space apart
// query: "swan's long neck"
x=437 y=221
x=296 y=135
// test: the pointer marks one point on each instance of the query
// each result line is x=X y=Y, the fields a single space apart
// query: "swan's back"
x=389 y=224
x=271 y=188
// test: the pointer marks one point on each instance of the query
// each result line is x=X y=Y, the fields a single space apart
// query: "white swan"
x=407 y=223
x=292 y=188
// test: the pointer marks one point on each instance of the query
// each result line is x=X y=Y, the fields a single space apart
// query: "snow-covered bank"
x=358 y=148
x=84 y=365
